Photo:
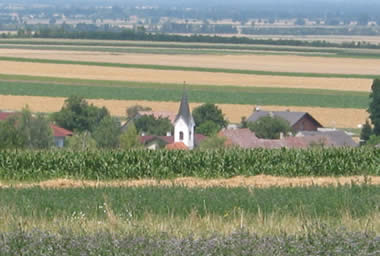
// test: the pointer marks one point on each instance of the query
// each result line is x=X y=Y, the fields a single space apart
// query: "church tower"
x=184 y=124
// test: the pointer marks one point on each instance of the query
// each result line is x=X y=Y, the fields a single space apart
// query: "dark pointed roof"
x=184 y=110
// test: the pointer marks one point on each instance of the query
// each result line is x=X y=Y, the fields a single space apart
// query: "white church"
x=184 y=124
x=184 y=129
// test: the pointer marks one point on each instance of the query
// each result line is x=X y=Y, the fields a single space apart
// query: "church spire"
x=184 y=110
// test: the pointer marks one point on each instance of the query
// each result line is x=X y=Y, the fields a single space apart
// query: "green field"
x=95 y=89
x=162 y=164
x=68 y=208
x=196 y=69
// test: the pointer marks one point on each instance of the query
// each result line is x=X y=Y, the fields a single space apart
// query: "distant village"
x=303 y=131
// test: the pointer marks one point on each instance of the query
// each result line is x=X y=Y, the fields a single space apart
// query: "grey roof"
x=291 y=117
x=184 y=111
x=338 y=137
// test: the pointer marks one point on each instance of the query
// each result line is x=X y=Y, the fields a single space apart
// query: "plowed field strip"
x=261 y=181
x=329 y=117
x=178 y=77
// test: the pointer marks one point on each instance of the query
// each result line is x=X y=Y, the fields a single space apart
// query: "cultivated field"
x=330 y=117
x=178 y=77
x=274 y=63
x=284 y=72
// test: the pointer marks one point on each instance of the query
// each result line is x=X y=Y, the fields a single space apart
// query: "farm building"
x=299 y=121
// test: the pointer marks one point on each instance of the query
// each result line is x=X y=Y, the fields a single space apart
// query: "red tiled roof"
x=177 y=146
x=5 y=115
x=59 y=131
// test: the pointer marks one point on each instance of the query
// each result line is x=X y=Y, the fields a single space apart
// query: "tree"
x=36 y=131
x=77 y=115
x=269 y=127
x=366 y=132
x=22 y=130
x=374 y=106
x=10 y=137
x=107 y=133
x=134 y=110
x=209 y=112
x=213 y=142
x=81 y=142
x=152 y=126
x=129 y=138
x=208 y=128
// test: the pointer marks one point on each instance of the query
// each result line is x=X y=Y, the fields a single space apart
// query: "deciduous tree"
x=268 y=127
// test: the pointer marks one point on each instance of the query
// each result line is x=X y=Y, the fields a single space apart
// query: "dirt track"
x=260 y=181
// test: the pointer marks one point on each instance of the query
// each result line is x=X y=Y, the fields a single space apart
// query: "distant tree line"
x=141 y=35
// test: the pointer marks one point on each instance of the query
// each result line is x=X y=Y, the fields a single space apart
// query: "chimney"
x=281 y=135
x=168 y=134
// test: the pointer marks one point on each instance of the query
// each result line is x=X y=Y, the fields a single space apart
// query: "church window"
x=181 y=135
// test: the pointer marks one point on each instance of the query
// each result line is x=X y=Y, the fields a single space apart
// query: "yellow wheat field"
x=329 y=117
x=259 y=181
x=275 y=63
x=168 y=76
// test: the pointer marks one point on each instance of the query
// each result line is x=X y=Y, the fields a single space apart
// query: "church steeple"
x=184 y=123
x=184 y=110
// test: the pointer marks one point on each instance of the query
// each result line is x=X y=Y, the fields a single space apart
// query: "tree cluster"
x=23 y=130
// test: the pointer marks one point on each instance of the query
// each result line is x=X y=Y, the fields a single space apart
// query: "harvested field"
x=274 y=63
x=329 y=117
x=260 y=181
x=191 y=77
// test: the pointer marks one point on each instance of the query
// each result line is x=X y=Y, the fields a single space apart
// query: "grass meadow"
x=180 y=211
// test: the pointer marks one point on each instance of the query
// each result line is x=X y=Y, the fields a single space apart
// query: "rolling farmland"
x=267 y=76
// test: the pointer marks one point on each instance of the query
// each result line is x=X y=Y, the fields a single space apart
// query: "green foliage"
x=134 y=110
x=10 y=137
x=77 y=115
x=209 y=113
x=81 y=142
x=130 y=138
x=366 y=132
x=208 y=128
x=107 y=133
x=153 y=126
x=24 y=165
x=373 y=140
x=374 y=106
x=23 y=130
x=214 y=142
x=268 y=127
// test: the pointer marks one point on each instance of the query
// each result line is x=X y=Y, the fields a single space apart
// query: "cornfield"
x=136 y=164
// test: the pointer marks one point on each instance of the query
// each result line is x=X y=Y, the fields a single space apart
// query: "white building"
x=184 y=124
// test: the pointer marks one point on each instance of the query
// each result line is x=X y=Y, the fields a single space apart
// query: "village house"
x=298 y=121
